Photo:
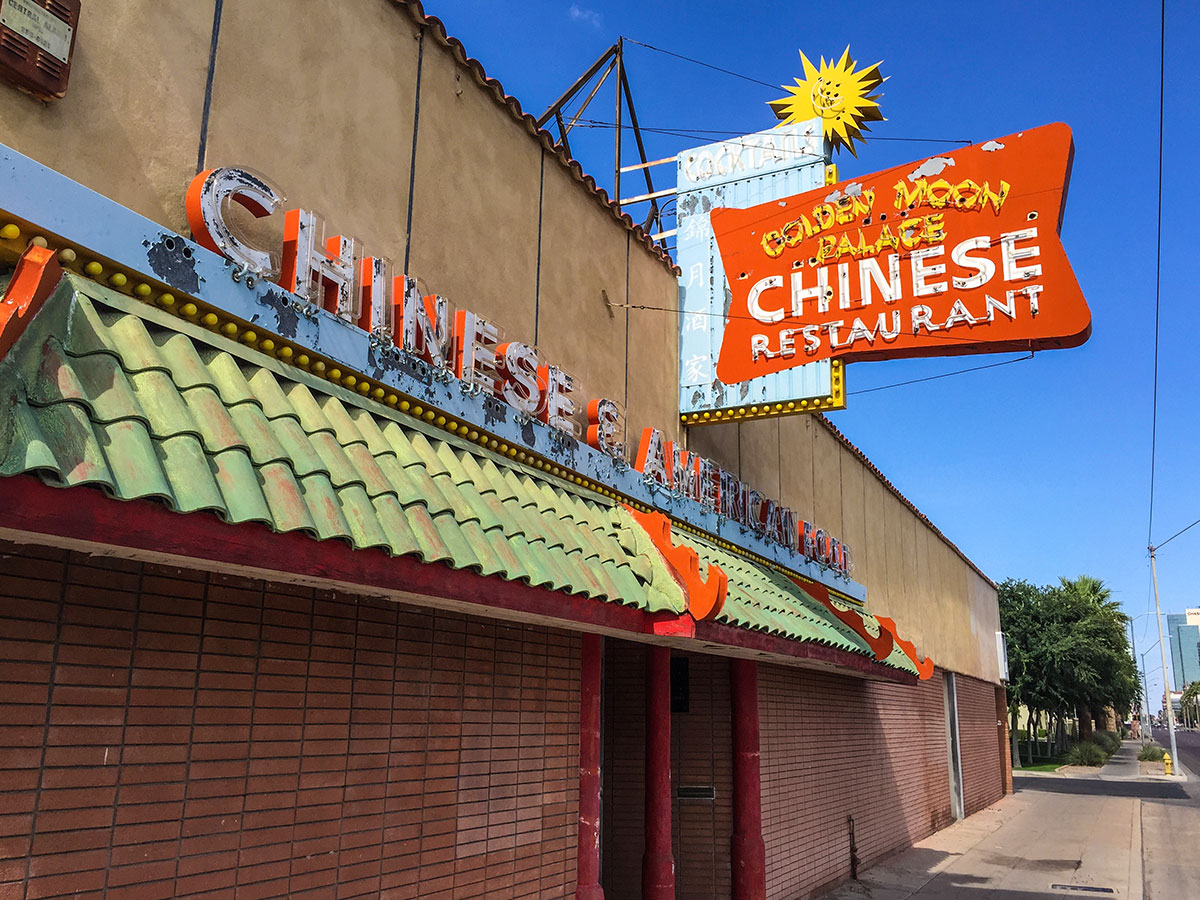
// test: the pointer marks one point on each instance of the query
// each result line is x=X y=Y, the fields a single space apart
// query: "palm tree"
x=1095 y=670
x=1190 y=702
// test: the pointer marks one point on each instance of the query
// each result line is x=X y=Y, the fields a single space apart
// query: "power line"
x=698 y=62
x=759 y=81
x=885 y=387
x=1162 y=74
x=1177 y=534
x=699 y=133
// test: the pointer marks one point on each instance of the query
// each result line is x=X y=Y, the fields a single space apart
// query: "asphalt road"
x=1188 y=743
x=1171 y=829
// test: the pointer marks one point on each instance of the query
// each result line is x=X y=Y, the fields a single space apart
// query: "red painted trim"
x=86 y=514
x=587 y=853
x=748 y=852
x=730 y=636
x=667 y=624
x=924 y=666
x=880 y=644
x=37 y=275
x=658 y=863
x=705 y=596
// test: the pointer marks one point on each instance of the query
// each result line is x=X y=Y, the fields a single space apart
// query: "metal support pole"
x=658 y=863
x=576 y=87
x=1145 y=710
x=1162 y=645
x=620 y=64
x=653 y=215
x=748 y=852
x=1146 y=691
x=562 y=132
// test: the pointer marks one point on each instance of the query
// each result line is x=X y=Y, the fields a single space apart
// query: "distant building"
x=1176 y=705
x=1184 y=632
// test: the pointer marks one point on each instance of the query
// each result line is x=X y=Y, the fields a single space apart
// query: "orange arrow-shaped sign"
x=953 y=254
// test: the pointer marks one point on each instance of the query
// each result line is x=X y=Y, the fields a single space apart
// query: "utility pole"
x=1145 y=710
x=1162 y=646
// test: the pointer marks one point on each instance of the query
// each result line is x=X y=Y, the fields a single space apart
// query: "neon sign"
x=334 y=274
x=956 y=254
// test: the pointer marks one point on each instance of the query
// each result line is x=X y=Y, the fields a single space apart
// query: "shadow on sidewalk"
x=1146 y=790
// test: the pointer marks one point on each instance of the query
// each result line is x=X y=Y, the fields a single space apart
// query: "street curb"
x=1137 y=875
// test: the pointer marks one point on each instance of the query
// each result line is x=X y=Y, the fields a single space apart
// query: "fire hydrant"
x=1167 y=764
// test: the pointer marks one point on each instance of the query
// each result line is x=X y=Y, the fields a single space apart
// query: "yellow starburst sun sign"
x=837 y=95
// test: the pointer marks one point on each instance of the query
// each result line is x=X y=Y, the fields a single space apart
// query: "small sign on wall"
x=37 y=39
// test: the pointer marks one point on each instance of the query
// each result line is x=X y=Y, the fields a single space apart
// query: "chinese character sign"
x=744 y=171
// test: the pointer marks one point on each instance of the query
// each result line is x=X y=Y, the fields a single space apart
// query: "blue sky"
x=1036 y=469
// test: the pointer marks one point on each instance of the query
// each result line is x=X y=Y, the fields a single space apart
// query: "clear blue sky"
x=1036 y=469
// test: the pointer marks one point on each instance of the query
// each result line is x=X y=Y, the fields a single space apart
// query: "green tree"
x=1018 y=607
x=1068 y=654
x=1191 y=702
x=1097 y=668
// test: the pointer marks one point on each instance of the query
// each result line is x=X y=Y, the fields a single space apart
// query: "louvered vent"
x=37 y=40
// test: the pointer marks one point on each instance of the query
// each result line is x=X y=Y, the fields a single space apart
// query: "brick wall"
x=834 y=747
x=168 y=732
x=979 y=743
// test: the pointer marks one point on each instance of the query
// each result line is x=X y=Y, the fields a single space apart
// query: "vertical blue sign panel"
x=737 y=173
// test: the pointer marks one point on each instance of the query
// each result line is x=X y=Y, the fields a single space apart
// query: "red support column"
x=658 y=865
x=587 y=854
x=749 y=854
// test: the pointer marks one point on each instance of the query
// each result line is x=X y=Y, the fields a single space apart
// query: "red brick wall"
x=834 y=747
x=170 y=733
x=979 y=743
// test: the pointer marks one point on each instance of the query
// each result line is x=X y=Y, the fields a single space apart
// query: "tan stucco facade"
x=325 y=99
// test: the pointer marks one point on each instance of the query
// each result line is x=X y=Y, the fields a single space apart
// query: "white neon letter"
x=207 y=201
x=756 y=310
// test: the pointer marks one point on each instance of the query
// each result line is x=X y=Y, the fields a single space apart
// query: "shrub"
x=1151 y=753
x=1110 y=741
x=1087 y=753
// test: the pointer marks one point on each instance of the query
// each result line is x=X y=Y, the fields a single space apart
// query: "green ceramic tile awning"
x=106 y=392
x=762 y=599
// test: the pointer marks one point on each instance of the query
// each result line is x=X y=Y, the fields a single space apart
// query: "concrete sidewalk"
x=1054 y=837
x=1018 y=848
x=1121 y=766
x=1123 y=763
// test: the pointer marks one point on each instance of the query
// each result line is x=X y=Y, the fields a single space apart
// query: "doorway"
x=952 y=747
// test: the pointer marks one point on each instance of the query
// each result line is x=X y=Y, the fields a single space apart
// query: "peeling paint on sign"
x=929 y=168
x=170 y=259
